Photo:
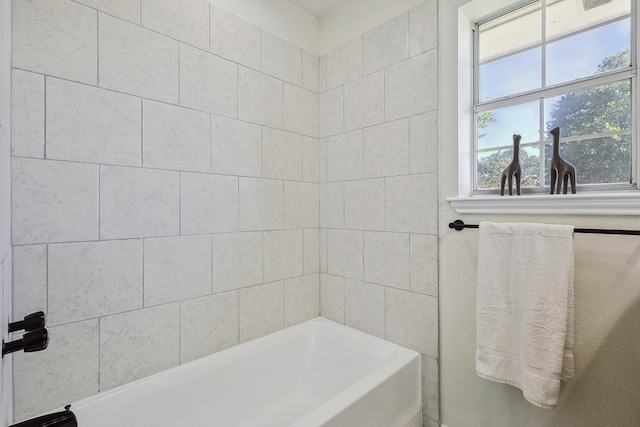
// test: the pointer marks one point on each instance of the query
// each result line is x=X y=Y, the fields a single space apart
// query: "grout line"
x=44 y=154
x=177 y=104
x=238 y=316
x=211 y=259
x=99 y=200
x=46 y=279
x=99 y=354
x=142 y=132
x=97 y=48
x=178 y=72
x=143 y=271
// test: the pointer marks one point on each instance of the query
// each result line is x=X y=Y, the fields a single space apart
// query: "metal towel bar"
x=459 y=225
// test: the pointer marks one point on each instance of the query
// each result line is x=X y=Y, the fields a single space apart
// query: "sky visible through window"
x=567 y=59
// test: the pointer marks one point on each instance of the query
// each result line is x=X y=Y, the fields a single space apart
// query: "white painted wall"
x=607 y=348
x=285 y=20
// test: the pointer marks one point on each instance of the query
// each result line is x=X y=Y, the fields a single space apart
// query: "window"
x=556 y=63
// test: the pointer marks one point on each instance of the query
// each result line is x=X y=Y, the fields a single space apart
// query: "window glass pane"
x=492 y=163
x=601 y=109
x=597 y=161
x=595 y=51
x=510 y=75
x=497 y=127
x=513 y=32
x=568 y=16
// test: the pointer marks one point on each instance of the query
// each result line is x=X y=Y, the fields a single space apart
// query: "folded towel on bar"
x=524 y=310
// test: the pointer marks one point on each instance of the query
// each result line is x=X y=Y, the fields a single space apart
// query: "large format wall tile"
x=281 y=155
x=66 y=372
x=344 y=64
x=175 y=138
x=364 y=204
x=128 y=10
x=88 y=124
x=236 y=147
x=261 y=204
x=331 y=112
x=260 y=98
x=345 y=253
x=364 y=101
x=186 y=20
x=208 y=203
x=27 y=114
x=412 y=321
x=261 y=310
x=176 y=268
x=332 y=297
x=301 y=299
x=300 y=110
x=332 y=205
x=54 y=201
x=283 y=254
x=57 y=38
x=237 y=260
x=138 y=202
x=29 y=280
x=207 y=82
x=386 y=259
x=148 y=67
x=310 y=160
x=93 y=279
x=311 y=250
x=423 y=142
x=281 y=59
x=310 y=72
x=137 y=344
x=344 y=156
x=364 y=307
x=301 y=205
x=207 y=325
x=423 y=24
x=430 y=387
x=411 y=203
x=385 y=45
x=411 y=87
x=424 y=264
x=235 y=39
x=386 y=149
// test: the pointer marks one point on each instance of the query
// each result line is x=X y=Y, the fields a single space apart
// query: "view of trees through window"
x=591 y=111
x=594 y=113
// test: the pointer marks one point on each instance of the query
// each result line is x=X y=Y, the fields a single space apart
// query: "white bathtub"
x=317 y=373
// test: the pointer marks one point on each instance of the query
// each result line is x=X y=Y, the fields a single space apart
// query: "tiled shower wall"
x=378 y=191
x=6 y=409
x=165 y=188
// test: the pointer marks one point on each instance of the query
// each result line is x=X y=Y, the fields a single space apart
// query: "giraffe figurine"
x=561 y=170
x=513 y=170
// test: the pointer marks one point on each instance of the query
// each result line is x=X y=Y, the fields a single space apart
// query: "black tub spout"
x=64 y=418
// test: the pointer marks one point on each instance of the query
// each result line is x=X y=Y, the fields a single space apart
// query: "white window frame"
x=583 y=203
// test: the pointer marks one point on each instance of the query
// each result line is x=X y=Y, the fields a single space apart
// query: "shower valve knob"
x=31 y=322
x=36 y=340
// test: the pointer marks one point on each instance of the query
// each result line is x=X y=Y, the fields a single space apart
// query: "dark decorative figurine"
x=513 y=170
x=561 y=170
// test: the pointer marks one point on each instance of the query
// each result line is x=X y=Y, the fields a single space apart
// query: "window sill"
x=618 y=203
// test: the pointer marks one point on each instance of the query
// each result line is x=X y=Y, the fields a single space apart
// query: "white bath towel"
x=524 y=311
